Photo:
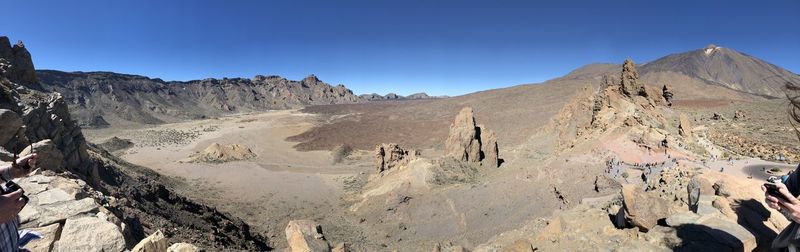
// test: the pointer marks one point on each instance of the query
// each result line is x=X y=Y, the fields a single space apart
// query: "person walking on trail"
x=12 y=203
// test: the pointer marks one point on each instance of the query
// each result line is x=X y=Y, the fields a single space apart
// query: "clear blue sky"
x=439 y=47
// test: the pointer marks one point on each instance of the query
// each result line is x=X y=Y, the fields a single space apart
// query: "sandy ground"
x=280 y=184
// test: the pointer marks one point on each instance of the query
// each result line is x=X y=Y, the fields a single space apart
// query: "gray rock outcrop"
x=104 y=236
x=19 y=64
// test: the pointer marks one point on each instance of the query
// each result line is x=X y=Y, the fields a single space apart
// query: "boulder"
x=49 y=233
x=10 y=126
x=305 y=236
x=104 y=236
x=693 y=190
x=463 y=142
x=721 y=189
x=642 y=210
x=489 y=147
x=48 y=156
x=59 y=211
x=182 y=247
x=156 y=242
x=684 y=127
x=739 y=115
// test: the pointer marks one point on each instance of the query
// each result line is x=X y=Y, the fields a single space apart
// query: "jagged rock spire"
x=630 y=80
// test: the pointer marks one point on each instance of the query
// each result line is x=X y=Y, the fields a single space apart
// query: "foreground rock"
x=306 y=236
x=642 y=210
x=217 y=153
x=464 y=143
x=89 y=233
x=156 y=242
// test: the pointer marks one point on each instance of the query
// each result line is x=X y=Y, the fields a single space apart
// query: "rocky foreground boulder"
x=469 y=142
x=642 y=209
x=306 y=236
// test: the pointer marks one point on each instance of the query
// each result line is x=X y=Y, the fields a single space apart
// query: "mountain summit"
x=726 y=67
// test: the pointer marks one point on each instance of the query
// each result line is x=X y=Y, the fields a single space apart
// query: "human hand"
x=25 y=165
x=772 y=201
x=791 y=208
x=10 y=205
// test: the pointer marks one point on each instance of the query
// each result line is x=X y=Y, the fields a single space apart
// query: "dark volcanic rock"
x=19 y=67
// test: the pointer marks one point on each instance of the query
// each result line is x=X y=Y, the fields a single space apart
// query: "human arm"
x=24 y=166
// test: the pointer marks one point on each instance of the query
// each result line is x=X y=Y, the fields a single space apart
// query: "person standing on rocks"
x=12 y=203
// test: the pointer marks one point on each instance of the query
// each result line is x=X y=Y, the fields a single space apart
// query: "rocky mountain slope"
x=97 y=98
x=87 y=193
x=727 y=68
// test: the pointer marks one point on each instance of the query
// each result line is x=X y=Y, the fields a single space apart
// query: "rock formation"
x=217 y=153
x=464 y=141
x=389 y=156
x=306 y=236
x=629 y=80
x=684 y=127
x=18 y=62
x=739 y=114
x=667 y=94
x=642 y=210
x=489 y=148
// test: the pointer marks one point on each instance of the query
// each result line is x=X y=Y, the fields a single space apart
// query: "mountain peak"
x=727 y=68
x=710 y=48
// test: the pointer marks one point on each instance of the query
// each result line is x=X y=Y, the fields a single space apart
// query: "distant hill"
x=725 y=67
x=393 y=96
x=99 y=97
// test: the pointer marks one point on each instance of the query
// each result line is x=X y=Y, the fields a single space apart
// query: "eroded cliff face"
x=97 y=97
